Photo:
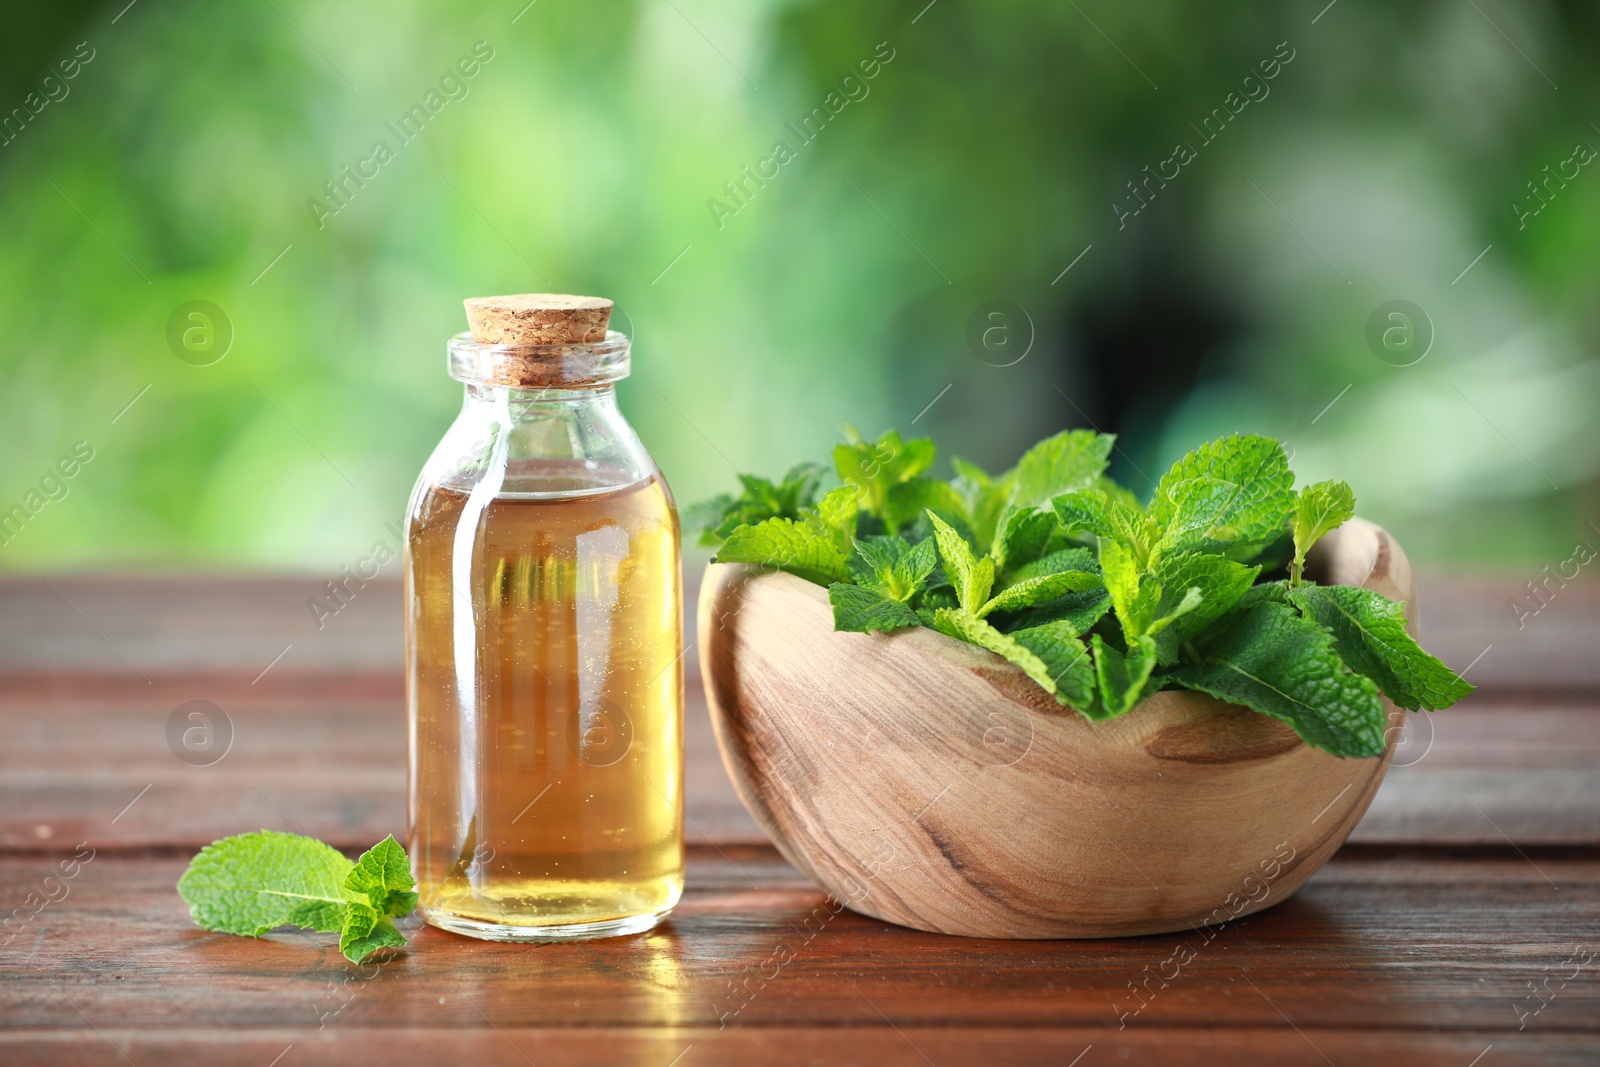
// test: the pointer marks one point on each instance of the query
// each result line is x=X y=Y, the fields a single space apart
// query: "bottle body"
x=544 y=656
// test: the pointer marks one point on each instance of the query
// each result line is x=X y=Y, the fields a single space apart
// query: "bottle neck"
x=516 y=402
x=548 y=441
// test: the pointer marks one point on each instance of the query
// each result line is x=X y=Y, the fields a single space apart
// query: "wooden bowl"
x=926 y=782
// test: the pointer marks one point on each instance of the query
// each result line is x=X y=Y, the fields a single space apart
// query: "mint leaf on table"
x=971 y=577
x=1369 y=632
x=1318 y=508
x=383 y=876
x=806 y=548
x=251 y=883
x=366 y=931
x=1072 y=459
x=1121 y=676
x=858 y=609
x=1272 y=659
x=1246 y=514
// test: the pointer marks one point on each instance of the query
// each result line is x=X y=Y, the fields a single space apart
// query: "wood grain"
x=1405 y=945
x=856 y=1045
x=930 y=783
x=1416 y=947
x=1529 y=768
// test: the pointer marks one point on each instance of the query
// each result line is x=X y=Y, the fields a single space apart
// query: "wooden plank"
x=332 y=768
x=1474 y=621
x=1398 y=942
x=1491 y=772
x=150 y=627
x=849 y=1046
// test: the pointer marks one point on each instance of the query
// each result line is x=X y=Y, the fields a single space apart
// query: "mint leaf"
x=704 y=518
x=965 y=626
x=1121 y=574
x=860 y=610
x=760 y=500
x=893 y=567
x=1038 y=590
x=1062 y=559
x=1280 y=664
x=906 y=501
x=383 y=876
x=1175 y=603
x=1070 y=460
x=984 y=496
x=806 y=549
x=1275 y=592
x=871 y=469
x=1118 y=493
x=252 y=883
x=1121 y=676
x=365 y=931
x=1318 y=508
x=837 y=514
x=1082 y=610
x=1092 y=511
x=1246 y=514
x=971 y=577
x=1021 y=535
x=1369 y=633
x=1221 y=581
x=1179 y=575
x=1201 y=510
x=1059 y=648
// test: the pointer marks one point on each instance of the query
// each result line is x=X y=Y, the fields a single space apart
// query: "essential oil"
x=544 y=640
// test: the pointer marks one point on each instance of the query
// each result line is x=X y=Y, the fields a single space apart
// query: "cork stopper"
x=539 y=341
x=538 y=319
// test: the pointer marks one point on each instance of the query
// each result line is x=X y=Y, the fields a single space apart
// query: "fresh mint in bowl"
x=1190 y=692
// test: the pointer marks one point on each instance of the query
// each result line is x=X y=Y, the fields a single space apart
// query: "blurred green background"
x=1389 y=158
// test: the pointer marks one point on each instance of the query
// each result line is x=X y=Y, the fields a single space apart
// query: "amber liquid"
x=546 y=693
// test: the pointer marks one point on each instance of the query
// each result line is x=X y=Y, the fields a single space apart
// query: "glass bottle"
x=544 y=648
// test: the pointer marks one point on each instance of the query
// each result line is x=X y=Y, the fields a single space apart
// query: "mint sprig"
x=1097 y=597
x=252 y=883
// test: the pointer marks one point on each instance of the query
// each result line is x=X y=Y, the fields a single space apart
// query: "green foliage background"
x=985 y=158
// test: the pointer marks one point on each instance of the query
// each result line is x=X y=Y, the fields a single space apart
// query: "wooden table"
x=1460 y=926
